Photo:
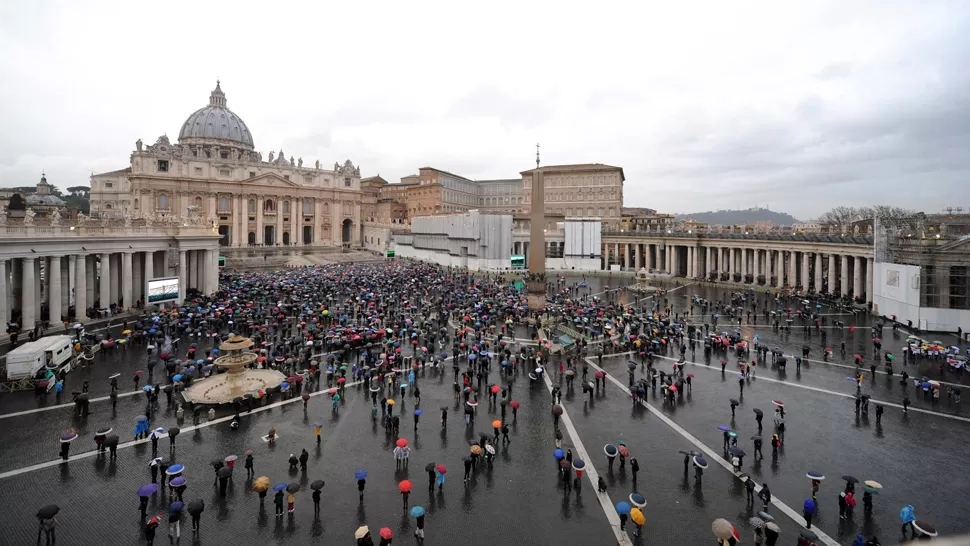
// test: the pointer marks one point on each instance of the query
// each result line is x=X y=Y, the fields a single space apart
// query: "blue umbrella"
x=444 y=356
x=579 y=464
x=610 y=450
x=701 y=462
x=638 y=500
x=206 y=369
x=623 y=508
x=484 y=352
x=359 y=475
x=631 y=362
x=175 y=469
x=417 y=511
x=818 y=306
x=176 y=506
x=200 y=361
x=724 y=428
x=177 y=377
x=141 y=419
x=284 y=385
x=558 y=454
x=147 y=388
x=404 y=385
x=815 y=475
x=472 y=356
x=418 y=412
x=147 y=490
x=279 y=487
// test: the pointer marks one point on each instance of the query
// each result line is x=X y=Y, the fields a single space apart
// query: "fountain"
x=238 y=380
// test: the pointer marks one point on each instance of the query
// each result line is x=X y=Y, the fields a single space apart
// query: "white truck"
x=53 y=353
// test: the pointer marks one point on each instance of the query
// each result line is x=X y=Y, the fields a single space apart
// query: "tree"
x=79 y=191
x=16 y=202
x=840 y=216
x=885 y=212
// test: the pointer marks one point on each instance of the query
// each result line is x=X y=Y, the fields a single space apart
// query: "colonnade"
x=38 y=288
x=818 y=271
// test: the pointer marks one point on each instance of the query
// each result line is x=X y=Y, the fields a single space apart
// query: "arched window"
x=286 y=207
x=252 y=205
x=269 y=206
x=326 y=208
x=224 y=204
x=107 y=206
x=136 y=204
x=198 y=202
x=161 y=202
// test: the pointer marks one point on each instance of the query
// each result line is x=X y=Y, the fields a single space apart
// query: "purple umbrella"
x=178 y=481
x=68 y=437
x=147 y=490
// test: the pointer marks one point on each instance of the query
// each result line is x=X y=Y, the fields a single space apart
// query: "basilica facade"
x=215 y=172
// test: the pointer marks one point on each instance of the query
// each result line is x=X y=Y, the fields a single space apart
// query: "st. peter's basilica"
x=215 y=172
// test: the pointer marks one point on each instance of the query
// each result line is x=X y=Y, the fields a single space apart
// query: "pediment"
x=270 y=179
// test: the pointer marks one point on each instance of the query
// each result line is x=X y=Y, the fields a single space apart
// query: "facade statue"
x=127 y=219
x=3 y=216
x=138 y=144
x=259 y=156
x=291 y=161
x=234 y=154
x=271 y=156
x=300 y=162
x=317 y=165
x=81 y=218
x=336 y=166
x=29 y=217
x=56 y=217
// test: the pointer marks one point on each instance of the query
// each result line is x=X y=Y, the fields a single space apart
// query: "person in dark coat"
x=304 y=458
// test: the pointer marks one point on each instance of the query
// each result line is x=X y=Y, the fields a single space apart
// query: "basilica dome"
x=216 y=122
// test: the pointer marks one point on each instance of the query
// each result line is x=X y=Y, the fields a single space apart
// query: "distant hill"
x=733 y=217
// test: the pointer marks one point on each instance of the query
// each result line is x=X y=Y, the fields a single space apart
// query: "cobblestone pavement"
x=520 y=500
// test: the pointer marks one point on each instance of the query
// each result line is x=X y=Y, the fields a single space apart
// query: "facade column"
x=669 y=263
x=183 y=277
x=126 y=281
x=297 y=222
x=115 y=278
x=710 y=262
x=91 y=273
x=259 y=220
x=856 y=276
x=16 y=284
x=37 y=284
x=65 y=288
x=54 y=296
x=278 y=236
x=831 y=262
x=4 y=314
x=818 y=272
x=80 y=288
x=149 y=267
x=869 y=265
x=844 y=270
x=732 y=266
x=28 y=304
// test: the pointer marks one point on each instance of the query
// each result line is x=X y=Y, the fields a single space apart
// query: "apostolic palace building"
x=215 y=172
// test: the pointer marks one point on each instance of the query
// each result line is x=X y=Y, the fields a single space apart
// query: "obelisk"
x=537 y=241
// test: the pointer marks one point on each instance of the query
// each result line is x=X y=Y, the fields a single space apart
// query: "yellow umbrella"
x=637 y=516
x=390 y=402
x=261 y=484
x=361 y=532
x=125 y=332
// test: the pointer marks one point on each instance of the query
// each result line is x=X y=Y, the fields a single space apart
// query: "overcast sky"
x=705 y=105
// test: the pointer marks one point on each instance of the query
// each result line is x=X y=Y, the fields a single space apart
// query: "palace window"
x=108 y=185
x=225 y=173
x=107 y=206
x=286 y=177
x=136 y=204
x=198 y=171
x=286 y=207
x=252 y=205
x=269 y=206
x=307 y=207
x=346 y=182
x=163 y=165
x=223 y=204
x=198 y=202
x=161 y=202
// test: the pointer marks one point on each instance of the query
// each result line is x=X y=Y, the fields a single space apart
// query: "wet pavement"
x=520 y=500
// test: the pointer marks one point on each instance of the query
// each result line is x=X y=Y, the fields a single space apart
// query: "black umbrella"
x=224 y=472
x=850 y=479
x=48 y=511
x=757 y=411
x=430 y=467
x=196 y=507
x=293 y=487
x=174 y=431
x=167 y=388
x=111 y=440
x=83 y=397
x=217 y=463
x=736 y=451
x=104 y=431
x=734 y=402
x=756 y=437
x=317 y=485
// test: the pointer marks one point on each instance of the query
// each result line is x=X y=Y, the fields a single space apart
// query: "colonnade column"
x=805 y=271
x=744 y=265
x=126 y=281
x=844 y=271
x=757 y=265
x=792 y=269
x=636 y=257
x=80 y=287
x=818 y=272
x=54 y=295
x=832 y=286
x=778 y=269
x=651 y=257
x=869 y=264
x=278 y=236
x=710 y=262
x=105 y=281
x=3 y=293
x=856 y=276
x=28 y=303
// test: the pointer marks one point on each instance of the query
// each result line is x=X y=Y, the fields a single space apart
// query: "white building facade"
x=214 y=170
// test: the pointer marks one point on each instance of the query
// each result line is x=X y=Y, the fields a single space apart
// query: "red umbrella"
x=624 y=451
x=514 y=404
x=778 y=403
x=599 y=375
x=673 y=388
x=306 y=396
x=386 y=533
x=404 y=486
x=401 y=442
x=291 y=379
x=332 y=390
x=341 y=380
x=496 y=388
x=442 y=469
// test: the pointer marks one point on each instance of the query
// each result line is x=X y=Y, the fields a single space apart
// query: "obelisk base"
x=537 y=295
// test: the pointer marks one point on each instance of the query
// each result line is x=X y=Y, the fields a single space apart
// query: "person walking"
x=174 y=521
x=278 y=502
x=808 y=510
x=290 y=503
x=765 y=496
x=248 y=464
x=316 y=502
x=908 y=515
x=749 y=486
x=150 y=527
x=843 y=504
x=195 y=510
x=304 y=458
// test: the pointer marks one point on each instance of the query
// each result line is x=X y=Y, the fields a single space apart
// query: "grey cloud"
x=490 y=101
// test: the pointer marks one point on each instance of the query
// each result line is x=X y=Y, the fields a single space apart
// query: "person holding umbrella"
x=196 y=507
x=150 y=527
x=316 y=486
x=47 y=524
x=248 y=464
x=66 y=440
x=278 y=499
x=808 y=510
x=361 y=477
x=174 y=519
x=291 y=496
